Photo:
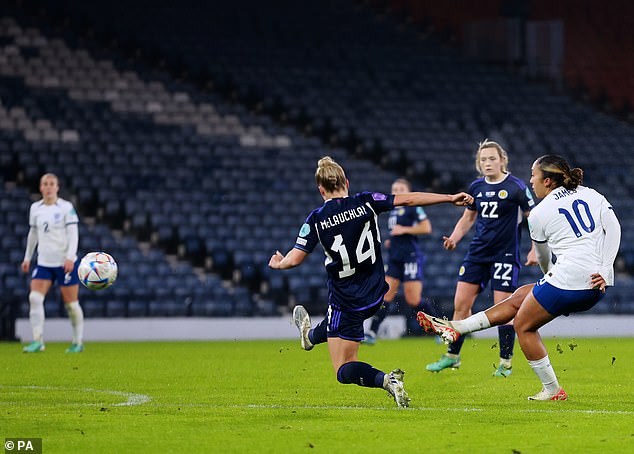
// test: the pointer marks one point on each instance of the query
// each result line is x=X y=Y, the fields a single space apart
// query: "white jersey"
x=573 y=225
x=50 y=223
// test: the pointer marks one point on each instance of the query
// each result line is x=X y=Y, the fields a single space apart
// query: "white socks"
x=76 y=316
x=476 y=322
x=36 y=315
x=546 y=374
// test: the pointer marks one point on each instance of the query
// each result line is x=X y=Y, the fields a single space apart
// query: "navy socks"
x=455 y=347
x=506 y=335
x=319 y=334
x=361 y=374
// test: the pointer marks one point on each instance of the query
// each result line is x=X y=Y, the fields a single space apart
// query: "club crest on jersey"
x=305 y=230
x=462 y=270
x=401 y=211
x=490 y=193
x=503 y=194
x=57 y=216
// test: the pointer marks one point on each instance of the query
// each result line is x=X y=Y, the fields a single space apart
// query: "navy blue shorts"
x=56 y=274
x=349 y=325
x=503 y=275
x=564 y=302
x=406 y=270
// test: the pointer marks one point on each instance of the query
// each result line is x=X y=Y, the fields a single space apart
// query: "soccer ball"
x=97 y=270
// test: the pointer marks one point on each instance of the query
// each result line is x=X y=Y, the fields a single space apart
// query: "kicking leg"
x=499 y=314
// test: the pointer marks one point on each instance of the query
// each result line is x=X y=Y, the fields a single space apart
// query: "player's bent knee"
x=36 y=299
x=522 y=325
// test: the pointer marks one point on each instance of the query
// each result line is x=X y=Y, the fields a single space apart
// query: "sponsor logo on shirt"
x=490 y=193
x=479 y=195
x=301 y=241
x=378 y=196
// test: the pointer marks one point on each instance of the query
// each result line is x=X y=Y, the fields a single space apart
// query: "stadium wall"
x=159 y=329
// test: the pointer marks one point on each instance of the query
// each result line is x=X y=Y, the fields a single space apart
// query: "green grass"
x=270 y=396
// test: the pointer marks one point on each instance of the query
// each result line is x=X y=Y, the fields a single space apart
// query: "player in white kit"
x=577 y=237
x=54 y=231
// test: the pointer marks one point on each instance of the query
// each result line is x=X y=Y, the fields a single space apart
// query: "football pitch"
x=271 y=396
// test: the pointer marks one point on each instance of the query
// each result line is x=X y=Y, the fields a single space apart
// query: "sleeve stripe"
x=301 y=248
x=539 y=241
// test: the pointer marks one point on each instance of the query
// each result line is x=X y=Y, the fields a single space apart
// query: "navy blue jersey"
x=402 y=246
x=349 y=234
x=500 y=209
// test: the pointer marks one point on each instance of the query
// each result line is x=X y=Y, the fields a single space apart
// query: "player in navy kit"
x=346 y=227
x=405 y=263
x=500 y=201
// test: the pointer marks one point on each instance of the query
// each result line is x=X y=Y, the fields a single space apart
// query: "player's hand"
x=461 y=199
x=69 y=265
x=448 y=243
x=598 y=282
x=398 y=230
x=25 y=266
x=275 y=260
x=531 y=258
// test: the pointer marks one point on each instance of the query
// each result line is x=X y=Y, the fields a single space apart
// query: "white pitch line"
x=131 y=398
x=392 y=408
x=139 y=399
x=455 y=409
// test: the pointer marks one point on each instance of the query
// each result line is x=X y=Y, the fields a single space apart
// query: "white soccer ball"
x=97 y=270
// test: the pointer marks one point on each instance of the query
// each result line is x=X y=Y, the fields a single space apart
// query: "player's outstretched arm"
x=431 y=198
